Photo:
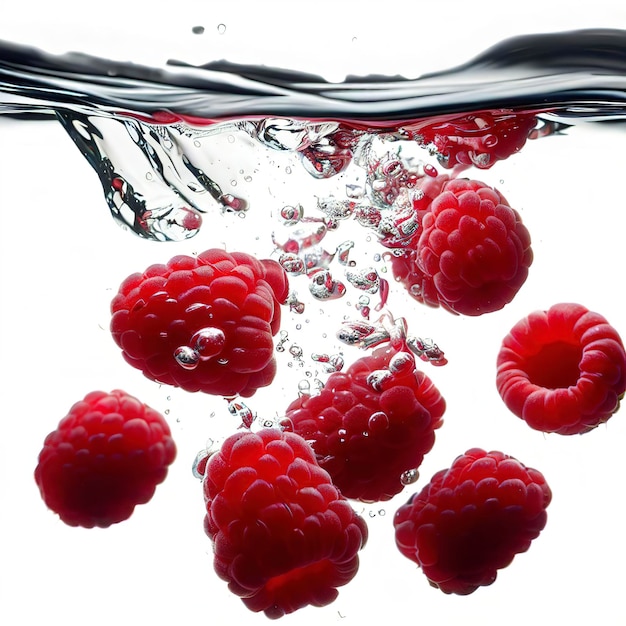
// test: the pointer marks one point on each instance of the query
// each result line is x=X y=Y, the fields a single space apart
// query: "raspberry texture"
x=562 y=370
x=203 y=323
x=473 y=252
x=370 y=424
x=283 y=535
x=472 y=519
x=106 y=456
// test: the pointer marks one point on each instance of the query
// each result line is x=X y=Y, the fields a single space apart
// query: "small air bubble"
x=197 y=30
x=409 y=477
x=295 y=351
x=221 y=28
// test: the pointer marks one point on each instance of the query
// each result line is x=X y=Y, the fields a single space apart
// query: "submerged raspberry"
x=472 y=519
x=283 y=535
x=473 y=253
x=202 y=323
x=106 y=456
x=370 y=425
x=562 y=370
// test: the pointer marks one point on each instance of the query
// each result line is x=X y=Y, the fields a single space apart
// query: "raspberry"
x=371 y=424
x=562 y=370
x=203 y=323
x=473 y=254
x=283 y=535
x=106 y=456
x=472 y=519
x=480 y=139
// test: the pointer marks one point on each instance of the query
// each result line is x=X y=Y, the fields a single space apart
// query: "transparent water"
x=197 y=180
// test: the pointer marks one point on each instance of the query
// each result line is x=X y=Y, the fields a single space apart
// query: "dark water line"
x=580 y=74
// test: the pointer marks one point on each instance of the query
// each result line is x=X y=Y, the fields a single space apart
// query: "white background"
x=62 y=259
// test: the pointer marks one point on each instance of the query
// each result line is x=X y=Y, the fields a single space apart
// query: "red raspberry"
x=472 y=519
x=562 y=370
x=473 y=253
x=371 y=424
x=480 y=139
x=203 y=323
x=283 y=535
x=105 y=457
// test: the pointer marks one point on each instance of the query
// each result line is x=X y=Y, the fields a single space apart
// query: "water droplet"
x=233 y=203
x=324 y=287
x=336 y=209
x=198 y=466
x=343 y=251
x=240 y=410
x=208 y=342
x=325 y=160
x=187 y=357
x=355 y=191
x=295 y=350
x=291 y=263
x=295 y=306
x=409 y=477
x=430 y=170
x=291 y=215
x=376 y=379
x=378 y=422
x=426 y=349
x=401 y=362
x=366 y=279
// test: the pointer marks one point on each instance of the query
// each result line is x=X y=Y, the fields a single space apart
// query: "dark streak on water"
x=580 y=74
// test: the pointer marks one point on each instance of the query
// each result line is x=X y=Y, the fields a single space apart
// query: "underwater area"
x=341 y=177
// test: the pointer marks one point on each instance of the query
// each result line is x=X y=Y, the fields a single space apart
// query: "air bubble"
x=304 y=388
x=291 y=263
x=376 y=379
x=366 y=279
x=240 y=410
x=221 y=28
x=187 y=357
x=409 y=477
x=324 y=287
x=198 y=466
x=343 y=251
x=291 y=215
x=296 y=351
x=401 y=363
x=378 y=422
x=208 y=342
x=295 y=306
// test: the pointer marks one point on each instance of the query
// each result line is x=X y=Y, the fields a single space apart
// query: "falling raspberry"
x=562 y=370
x=472 y=519
x=106 y=456
x=203 y=323
x=283 y=535
x=473 y=253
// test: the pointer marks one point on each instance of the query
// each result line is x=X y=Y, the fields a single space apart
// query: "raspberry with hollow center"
x=106 y=456
x=283 y=535
x=472 y=519
x=562 y=370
